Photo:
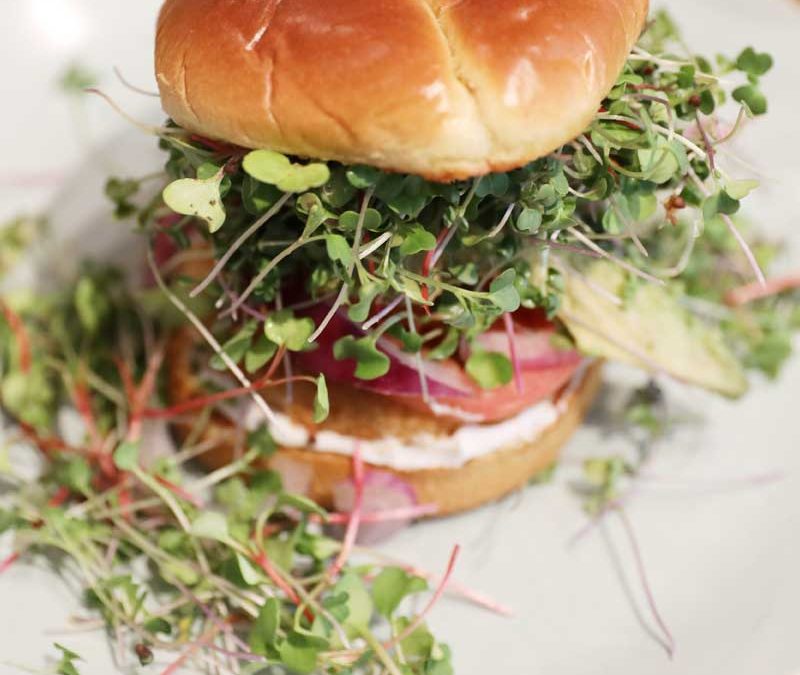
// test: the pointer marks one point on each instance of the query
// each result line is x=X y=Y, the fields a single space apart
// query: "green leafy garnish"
x=391 y=586
x=371 y=362
x=198 y=197
x=489 y=369
x=321 y=404
x=276 y=169
x=283 y=328
x=66 y=665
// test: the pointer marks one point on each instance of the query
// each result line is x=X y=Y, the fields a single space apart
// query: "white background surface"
x=724 y=564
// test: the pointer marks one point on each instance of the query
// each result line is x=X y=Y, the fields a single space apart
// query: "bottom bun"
x=476 y=482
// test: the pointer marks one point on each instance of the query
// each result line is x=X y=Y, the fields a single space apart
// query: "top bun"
x=445 y=89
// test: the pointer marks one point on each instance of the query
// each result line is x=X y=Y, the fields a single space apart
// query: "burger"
x=410 y=232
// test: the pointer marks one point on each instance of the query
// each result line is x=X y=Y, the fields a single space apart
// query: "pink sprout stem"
x=8 y=562
x=417 y=622
x=386 y=515
x=475 y=597
x=355 y=517
x=757 y=291
x=669 y=640
x=386 y=311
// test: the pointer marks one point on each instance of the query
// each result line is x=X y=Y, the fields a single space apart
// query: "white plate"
x=723 y=564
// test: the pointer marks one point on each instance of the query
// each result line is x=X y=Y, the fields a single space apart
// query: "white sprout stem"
x=417 y=622
x=748 y=252
x=664 y=131
x=287 y=360
x=238 y=244
x=669 y=640
x=423 y=380
x=499 y=227
x=625 y=265
x=592 y=150
x=133 y=87
x=147 y=128
x=686 y=254
x=373 y=246
x=383 y=313
x=269 y=415
x=285 y=253
x=439 y=250
x=331 y=313
x=343 y=291
x=631 y=229
x=639 y=54
x=739 y=119
x=740 y=240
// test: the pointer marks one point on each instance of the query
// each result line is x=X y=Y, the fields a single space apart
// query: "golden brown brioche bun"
x=369 y=416
x=441 y=88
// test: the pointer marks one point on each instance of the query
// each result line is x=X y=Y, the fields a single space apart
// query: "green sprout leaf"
x=754 y=63
x=446 y=348
x=126 y=456
x=489 y=369
x=751 y=96
x=301 y=503
x=371 y=362
x=259 y=354
x=120 y=191
x=363 y=177
x=348 y=221
x=199 y=198
x=358 y=605
x=66 y=666
x=321 y=405
x=211 y=525
x=264 y=632
x=236 y=347
x=739 y=189
x=503 y=293
x=495 y=184
x=338 y=249
x=261 y=440
x=276 y=169
x=76 y=79
x=300 y=652
x=367 y=293
x=529 y=221
x=91 y=304
x=250 y=575
x=660 y=164
x=720 y=203
x=283 y=328
x=391 y=586
x=417 y=239
x=76 y=474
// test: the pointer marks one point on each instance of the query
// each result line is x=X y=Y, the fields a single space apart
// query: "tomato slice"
x=493 y=405
x=544 y=369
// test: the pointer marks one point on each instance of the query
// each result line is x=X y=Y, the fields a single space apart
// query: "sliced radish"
x=384 y=492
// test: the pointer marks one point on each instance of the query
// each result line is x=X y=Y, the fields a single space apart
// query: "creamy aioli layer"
x=423 y=451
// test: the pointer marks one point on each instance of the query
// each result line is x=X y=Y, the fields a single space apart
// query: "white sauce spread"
x=424 y=451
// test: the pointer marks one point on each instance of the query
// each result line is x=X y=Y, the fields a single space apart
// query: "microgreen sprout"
x=624 y=237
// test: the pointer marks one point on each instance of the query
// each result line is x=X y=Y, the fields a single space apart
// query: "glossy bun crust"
x=441 y=88
x=359 y=413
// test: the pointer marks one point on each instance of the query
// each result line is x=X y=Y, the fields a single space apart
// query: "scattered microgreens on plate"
x=183 y=569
